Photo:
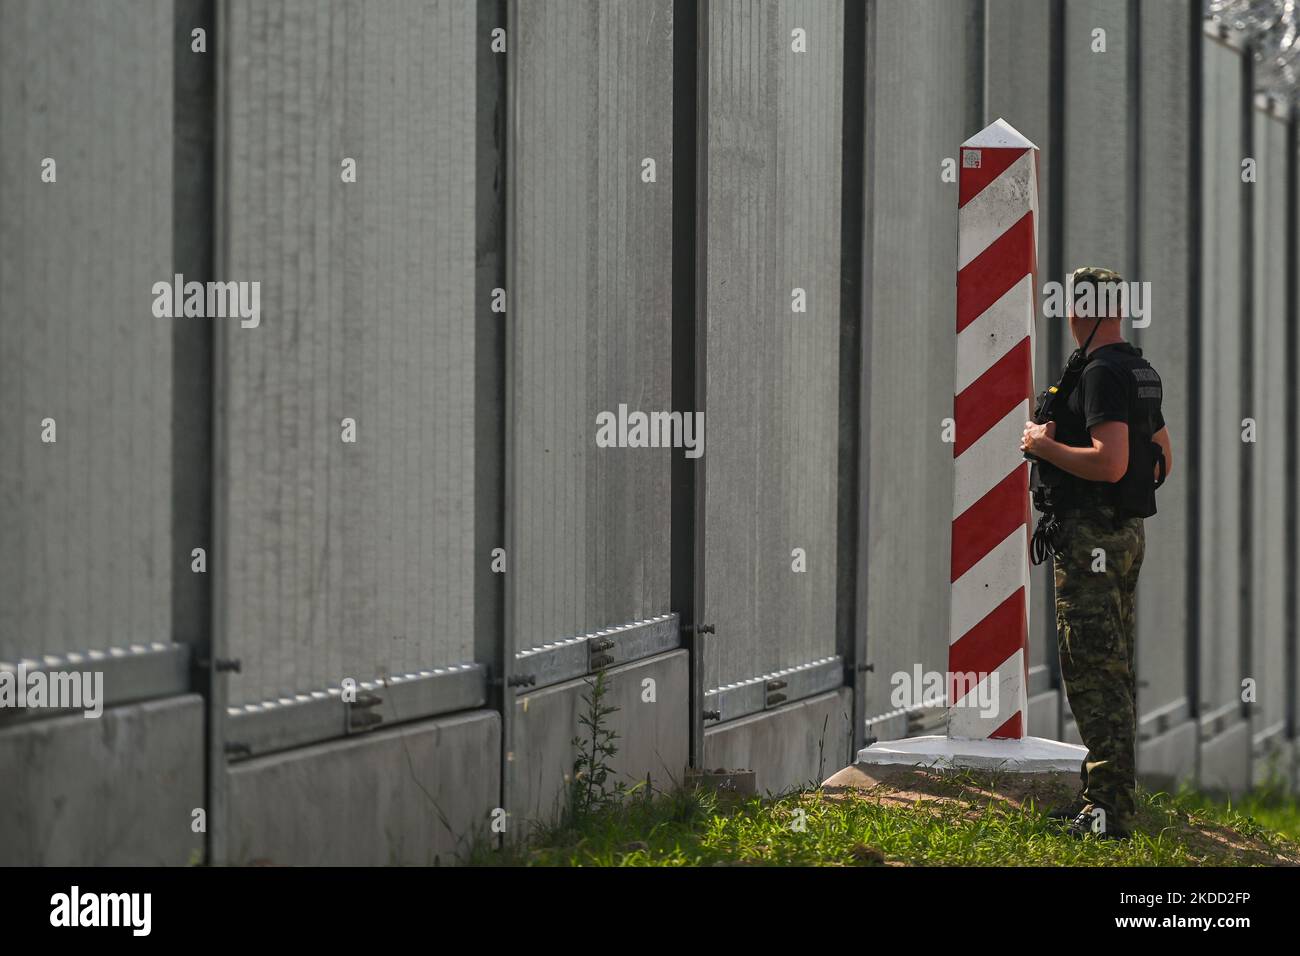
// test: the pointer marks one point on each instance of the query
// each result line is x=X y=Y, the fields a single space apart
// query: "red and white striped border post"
x=997 y=282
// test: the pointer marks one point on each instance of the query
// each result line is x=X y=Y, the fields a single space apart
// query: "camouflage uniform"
x=1096 y=624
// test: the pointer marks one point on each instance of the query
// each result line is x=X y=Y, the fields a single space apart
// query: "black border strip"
x=1195 y=310
x=194 y=91
x=852 y=482
x=862 y=665
x=690 y=172
x=1133 y=68
x=1056 y=272
x=1292 y=408
x=1246 y=388
x=490 y=184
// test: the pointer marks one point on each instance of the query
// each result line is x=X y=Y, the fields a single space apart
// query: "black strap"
x=1043 y=542
x=1088 y=341
x=1160 y=463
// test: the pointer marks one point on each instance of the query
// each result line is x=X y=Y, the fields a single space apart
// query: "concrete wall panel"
x=789 y=746
x=117 y=790
x=591 y=312
x=349 y=559
x=1168 y=759
x=85 y=531
x=417 y=795
x=1225 y=760
x=653 y=733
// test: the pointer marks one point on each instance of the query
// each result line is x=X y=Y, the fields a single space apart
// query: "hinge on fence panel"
x=773 y=698
x=359 y=715
x=222 y=664
x=866 y=668
x=699 y=629
x=712 y=715
x=595 y=658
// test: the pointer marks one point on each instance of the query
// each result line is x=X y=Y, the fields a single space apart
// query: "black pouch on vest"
x=1135 y=493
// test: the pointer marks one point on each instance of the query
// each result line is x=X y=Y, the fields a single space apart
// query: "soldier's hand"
x=1035 y=435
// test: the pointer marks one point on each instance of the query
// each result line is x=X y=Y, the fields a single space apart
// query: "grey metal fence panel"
x=1018 y=70
x=1162 y=208
x=1097 y=104
x=1271 y=483
x=349 y=560
x=1219 y=381
x=773 y=225
x=592 y=313
x=919 y=49
x=1293 y=490
x=86 y=555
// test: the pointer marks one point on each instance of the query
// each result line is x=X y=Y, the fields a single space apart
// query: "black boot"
x=1086 y=820
x=1069 y=811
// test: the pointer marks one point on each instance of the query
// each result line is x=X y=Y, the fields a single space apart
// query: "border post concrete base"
x=1026 y=755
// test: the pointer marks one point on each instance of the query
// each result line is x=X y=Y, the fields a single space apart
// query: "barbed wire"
x=1271 y=30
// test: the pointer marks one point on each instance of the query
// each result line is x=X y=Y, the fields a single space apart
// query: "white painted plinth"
x=1027 y=755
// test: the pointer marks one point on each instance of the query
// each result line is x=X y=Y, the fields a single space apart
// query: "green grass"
x=1269 y=808
x=968 y=823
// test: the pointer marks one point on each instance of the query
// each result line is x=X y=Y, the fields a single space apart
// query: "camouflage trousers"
x=1096 y=569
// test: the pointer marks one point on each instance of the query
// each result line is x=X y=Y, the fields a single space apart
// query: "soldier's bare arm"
x=1106 y=460
x=1161 y=438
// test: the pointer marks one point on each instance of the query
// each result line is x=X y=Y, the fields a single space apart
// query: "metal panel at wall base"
x=1271 y=762
x=1070 y=730
x=1225 y=760
x=118 y=790
x=1045 y=714
x=1162 y=759
x=420 y=794
x=1165 y=760
x=653 y=733
x=800 y=743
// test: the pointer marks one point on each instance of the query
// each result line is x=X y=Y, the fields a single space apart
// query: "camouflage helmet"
x=1102 y=292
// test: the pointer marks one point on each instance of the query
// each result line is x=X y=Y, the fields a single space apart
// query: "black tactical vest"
x=1135 y=493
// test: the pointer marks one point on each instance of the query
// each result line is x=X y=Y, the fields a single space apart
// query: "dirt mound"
x=1038 y=793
